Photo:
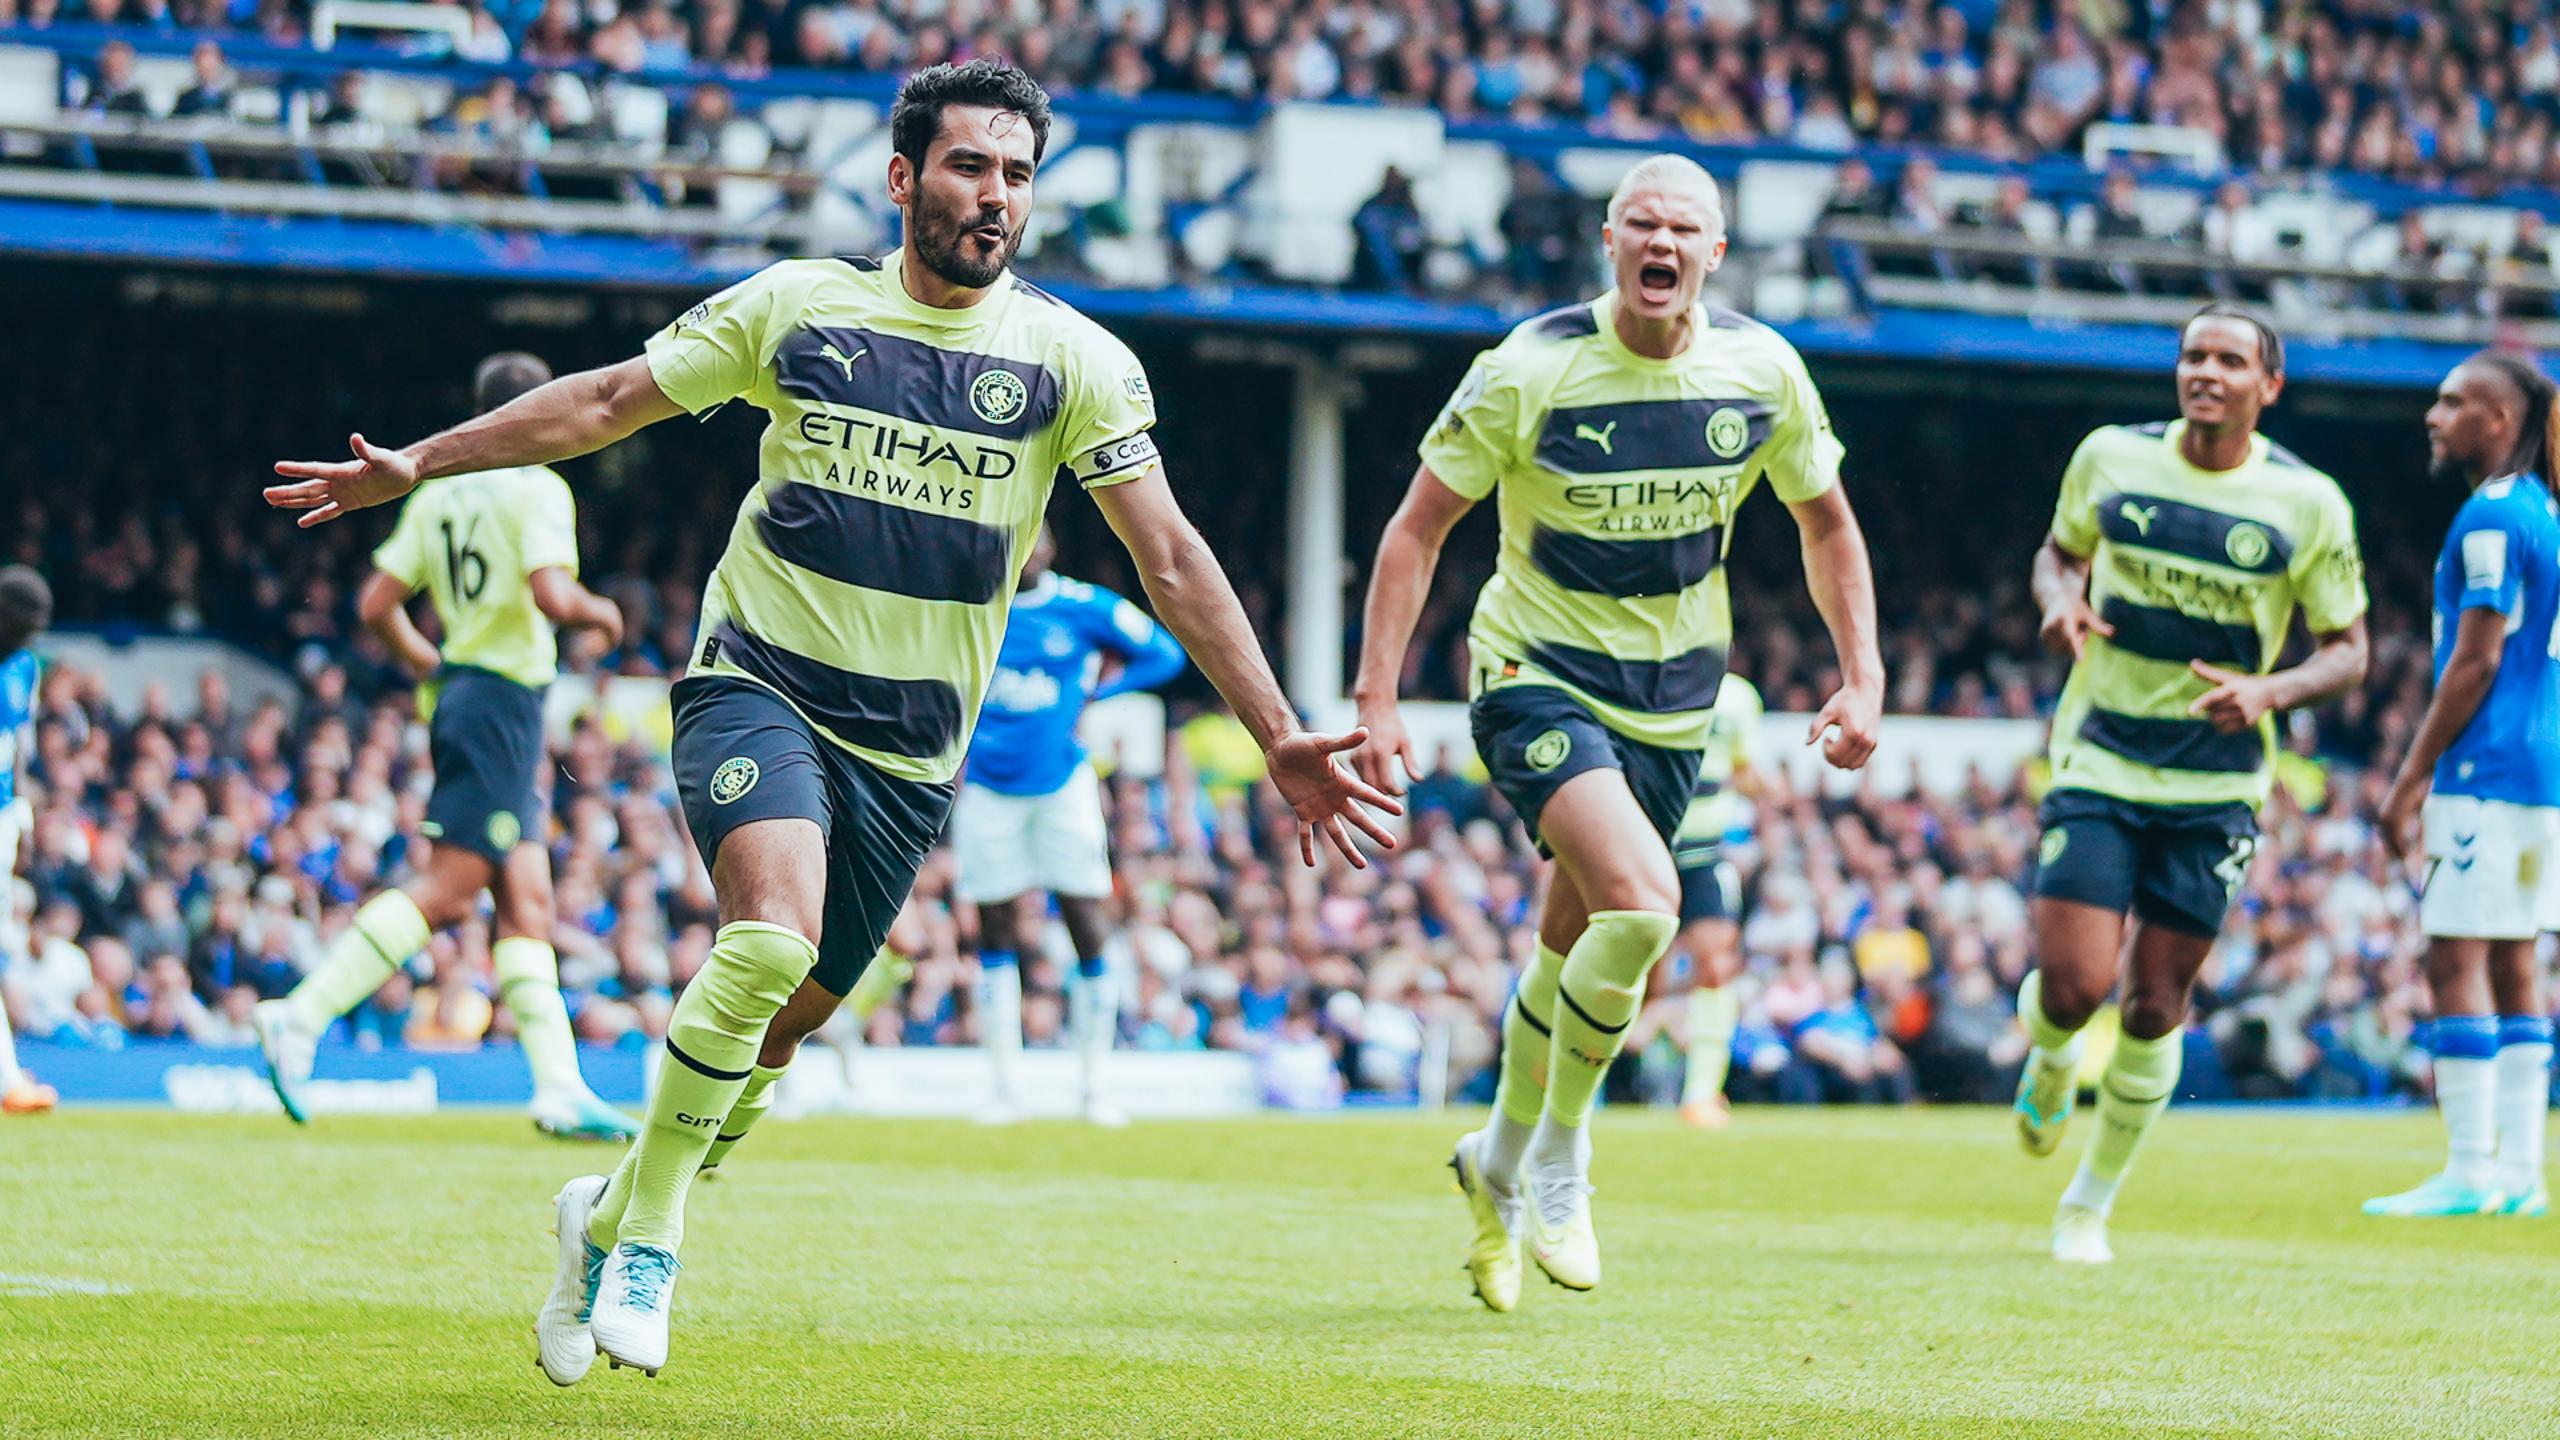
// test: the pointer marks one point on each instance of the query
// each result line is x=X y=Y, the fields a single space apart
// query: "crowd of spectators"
x=2456 y=90
x=189 y=859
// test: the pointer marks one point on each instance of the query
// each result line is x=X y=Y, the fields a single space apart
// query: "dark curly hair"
x=26 y=607
x=916 y=118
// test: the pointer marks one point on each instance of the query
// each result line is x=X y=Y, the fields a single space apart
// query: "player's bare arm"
x=2061 y=588
x=1399 y=582
x=2237 y=701
x=572 y=416
x=573 y=606
x=2479 y=647
x=383 y=606
x=1843 y=585
x=1194 y=600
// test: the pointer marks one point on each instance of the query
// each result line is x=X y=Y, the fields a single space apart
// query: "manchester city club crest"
x=998 y=396
x=2247 y=545
x=1548 y=750
x=1728 y=430
x=735 y=777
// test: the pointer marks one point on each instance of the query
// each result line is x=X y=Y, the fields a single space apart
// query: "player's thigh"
x=991 y=845
x=485 y=745
x=752 y=778
x=2486 y=866
x=1070 y=847
x=883 y=829
x=1601 y=838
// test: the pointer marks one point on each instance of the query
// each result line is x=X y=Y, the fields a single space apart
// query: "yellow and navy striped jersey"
x=2190 y=564
x=472 y=542
x=909 y=458
x=1620 y=475
x=1733 y=736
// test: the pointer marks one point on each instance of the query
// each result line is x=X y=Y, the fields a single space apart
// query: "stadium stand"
x=1996 y=184
x=2376 y=171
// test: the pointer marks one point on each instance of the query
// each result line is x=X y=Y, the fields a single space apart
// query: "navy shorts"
x=742 y=754
x=1710 y=889
x=485 y=743
x=2174 y=866
x=1536 y=737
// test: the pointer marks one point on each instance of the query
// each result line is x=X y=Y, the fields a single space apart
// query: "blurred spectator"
x=1391 y=237
x=211 y=94
x=116 y=91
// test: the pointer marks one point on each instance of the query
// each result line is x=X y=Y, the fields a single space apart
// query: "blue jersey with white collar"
x=1048 y=669
x=2503 y=554
x=17 y=707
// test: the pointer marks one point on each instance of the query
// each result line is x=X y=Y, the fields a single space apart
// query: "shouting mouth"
x=1658 y=281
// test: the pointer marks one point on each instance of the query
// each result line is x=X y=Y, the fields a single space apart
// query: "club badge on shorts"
x=1548 y=750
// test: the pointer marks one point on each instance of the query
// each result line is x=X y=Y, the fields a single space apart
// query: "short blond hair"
x=1668 y=172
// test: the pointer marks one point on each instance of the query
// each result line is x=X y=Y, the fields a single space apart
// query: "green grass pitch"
x=1865 y=1273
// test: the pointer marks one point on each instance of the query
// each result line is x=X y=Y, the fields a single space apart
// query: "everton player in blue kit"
x=1030 y=815
x=2489 y=750
x=26 y=604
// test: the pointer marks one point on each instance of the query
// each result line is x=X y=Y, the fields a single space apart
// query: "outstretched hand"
x=331 y=488
x=1325 y=796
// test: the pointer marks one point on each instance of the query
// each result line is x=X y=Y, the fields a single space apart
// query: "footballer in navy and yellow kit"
x=921 y=407
x=496 y=554
x=1618 y=439
x=2178 y=557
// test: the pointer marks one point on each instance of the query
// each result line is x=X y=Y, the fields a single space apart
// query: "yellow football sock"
x=712 y=1040
x=387 y=931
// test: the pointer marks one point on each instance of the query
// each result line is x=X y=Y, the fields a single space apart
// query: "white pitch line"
x=35 y=1286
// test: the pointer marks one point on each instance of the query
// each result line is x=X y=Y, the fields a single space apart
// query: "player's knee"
x=1634 y=890
x=443 y=906
x=2148 y=1017
x=2069 y=1001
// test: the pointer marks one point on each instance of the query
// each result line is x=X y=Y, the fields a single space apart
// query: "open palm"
x=327 y=489
x=1325 y=796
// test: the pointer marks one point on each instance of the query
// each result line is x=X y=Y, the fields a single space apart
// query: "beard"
x=942 y=236
x=2448 y=470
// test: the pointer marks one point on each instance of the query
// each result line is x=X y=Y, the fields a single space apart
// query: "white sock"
x=2066 y=1058
x=2467 y=1094
x=1501 y=1146
x=11 y=1077
x=1560 y=1148
x=1093 y=1014
x=1000 y=1025
x=2523 y=1108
